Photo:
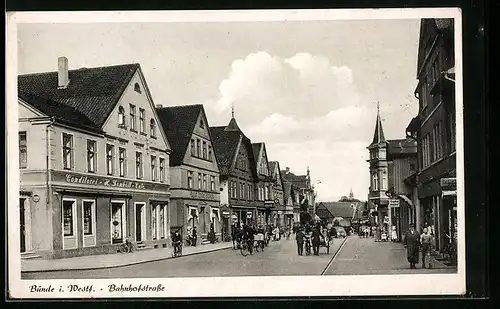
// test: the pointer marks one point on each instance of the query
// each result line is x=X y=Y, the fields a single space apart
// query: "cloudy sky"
x=307 y=89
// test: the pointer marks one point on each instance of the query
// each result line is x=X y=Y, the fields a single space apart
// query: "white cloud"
x=302 y=86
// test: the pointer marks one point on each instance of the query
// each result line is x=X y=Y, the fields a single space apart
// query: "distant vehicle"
x=340 y=232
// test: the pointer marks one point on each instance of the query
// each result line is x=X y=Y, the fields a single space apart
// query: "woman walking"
x=412 y=244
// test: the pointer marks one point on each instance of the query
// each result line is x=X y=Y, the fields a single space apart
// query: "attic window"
x=202 y=125
x=121 y=116
x=137 y=88
x=152 y=128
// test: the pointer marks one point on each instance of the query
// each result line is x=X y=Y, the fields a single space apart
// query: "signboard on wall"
x=394 y=203
x=448 y=184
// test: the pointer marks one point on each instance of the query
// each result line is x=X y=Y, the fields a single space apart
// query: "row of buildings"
x=413 y=180
x=101 y=163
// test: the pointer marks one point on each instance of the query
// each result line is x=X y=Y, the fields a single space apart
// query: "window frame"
x=190 y=180
x=122 y=162
x=133 y=115
x=152 y=128
x=93 y=221
x=142 y=120
x=139 y=165
x=121 y=117
x=73 y=222
x=161 y=167
x=110 y=159
x=154 y=175
x=70 y=153
x=212 y=183
x=23 y=149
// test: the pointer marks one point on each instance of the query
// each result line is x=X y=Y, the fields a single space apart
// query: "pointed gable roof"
x=225 y=147
x=233 y=125
x=92 y=92
x=256 y=147
x=274 y=167
x=378 y=135
x=178 y=122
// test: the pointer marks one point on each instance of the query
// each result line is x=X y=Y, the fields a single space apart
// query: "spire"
x=232 y=111
x=351 y=195
x=378 y=136
x=232 y=126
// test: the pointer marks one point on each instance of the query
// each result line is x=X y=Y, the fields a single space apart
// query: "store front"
x=244 y=215
x=94 y=215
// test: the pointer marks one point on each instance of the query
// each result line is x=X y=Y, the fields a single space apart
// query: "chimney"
x=62 y=72
x=159 y=106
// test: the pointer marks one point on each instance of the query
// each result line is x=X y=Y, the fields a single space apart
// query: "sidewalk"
x=115 y=260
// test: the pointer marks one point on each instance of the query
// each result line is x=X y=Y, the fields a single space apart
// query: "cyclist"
x=177 y=242
x=248 y=236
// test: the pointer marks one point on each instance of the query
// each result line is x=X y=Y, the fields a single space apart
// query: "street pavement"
x=279 y=258
x=364 y=256
x=356 y=256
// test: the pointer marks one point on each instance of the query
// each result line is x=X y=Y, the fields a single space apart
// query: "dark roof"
x=429 y=29
x=378 y=135
x=272 y=168
x=406 y=146
x=225 y=146
x=93 y=92
x=233 y=125
x=61 y=112
x=298 y=180
x=178 y=122
x=256 y=150
x=338 y=209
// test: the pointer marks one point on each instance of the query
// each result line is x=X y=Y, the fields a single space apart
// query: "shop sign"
x=202 y=195
x=249 y=214
x=394 y=203
x=448 y=184
x=79 y=179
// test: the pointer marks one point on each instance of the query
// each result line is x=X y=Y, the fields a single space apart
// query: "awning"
x=406 y=199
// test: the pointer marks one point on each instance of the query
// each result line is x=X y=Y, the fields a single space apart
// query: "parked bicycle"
x=126 y=247
x=450 y=249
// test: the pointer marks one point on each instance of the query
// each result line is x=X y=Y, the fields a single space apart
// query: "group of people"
x=246 y=232
x=312 y=234
x=413 y=241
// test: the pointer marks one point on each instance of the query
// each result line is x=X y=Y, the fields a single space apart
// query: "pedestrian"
x=316 y=239
x=426 y=241
x=412 y=244
x=299 y=237
x=234 y=234
x=394 y=236
x=195 y=236
x=378 y=233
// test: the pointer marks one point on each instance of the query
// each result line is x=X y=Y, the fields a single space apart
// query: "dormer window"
x=152 y=128
x=121 y=116
x=137 y=88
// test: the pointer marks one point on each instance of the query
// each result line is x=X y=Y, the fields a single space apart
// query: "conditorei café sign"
x=101 y=181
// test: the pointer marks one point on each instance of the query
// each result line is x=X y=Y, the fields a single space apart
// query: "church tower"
x=379 y=181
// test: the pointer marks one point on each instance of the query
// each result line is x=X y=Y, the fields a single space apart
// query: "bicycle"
x=308 y=246
x=126 y=247
x=450 y=250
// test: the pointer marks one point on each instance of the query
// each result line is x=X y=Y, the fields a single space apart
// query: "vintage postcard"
x=235 y=153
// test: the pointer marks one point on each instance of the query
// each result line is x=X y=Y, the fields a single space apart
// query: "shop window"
x=23 y=150
x=67 y=151
x=68 y=218
x=142 y=121
x=88 y=218
x=117 y=222
x=110 y=159
x=122 y=158
x=162 y=169
x=121 y=116
x=133 y=115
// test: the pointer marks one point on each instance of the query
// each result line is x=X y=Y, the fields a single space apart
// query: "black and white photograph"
x=235 y=153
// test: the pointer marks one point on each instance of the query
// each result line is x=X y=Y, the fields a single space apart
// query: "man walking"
x=426 y=241
x=316 y=239
x=412 y=244
x=299 y=237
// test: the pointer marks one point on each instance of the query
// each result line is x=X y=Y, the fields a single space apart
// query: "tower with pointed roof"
x=378 y=168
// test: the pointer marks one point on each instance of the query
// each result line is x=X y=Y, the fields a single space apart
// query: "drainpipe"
x=47 y=161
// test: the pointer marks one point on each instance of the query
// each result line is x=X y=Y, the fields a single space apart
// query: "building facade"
x=264 y=201
x=93 y=162
x=238 y=174
x=379 y=177
x=402 y=157
x=435 y=130
x=304 y=188
x=282 y=212
x=194 y=172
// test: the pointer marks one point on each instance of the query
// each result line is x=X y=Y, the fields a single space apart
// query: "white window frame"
x=133 y=117
x=125 y=165
x=124 y=219
x=161 y=171
x=154 y=167
x=142 y=120
x=113 y=159
x=72 y=153
x=155 y=224
x=121 y=123
x=93 y=219
x=143 y=221
x=25 y=147
x=190 y=184
x=152 y=128
x=142 y=165
x=74 y=218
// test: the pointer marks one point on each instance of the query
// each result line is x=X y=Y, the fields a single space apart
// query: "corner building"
x=93 y=162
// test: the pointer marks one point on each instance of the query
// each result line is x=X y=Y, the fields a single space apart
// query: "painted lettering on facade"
x=202 y=195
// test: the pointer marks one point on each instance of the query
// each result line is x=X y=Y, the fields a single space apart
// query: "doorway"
x=22 y=220
x=140 y=222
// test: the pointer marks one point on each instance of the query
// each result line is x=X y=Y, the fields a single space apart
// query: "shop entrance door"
x=140 y=223
x=22 y=220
